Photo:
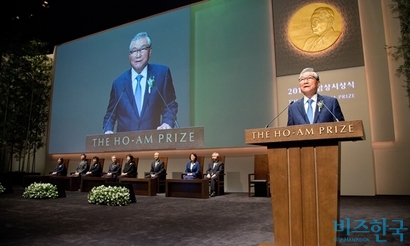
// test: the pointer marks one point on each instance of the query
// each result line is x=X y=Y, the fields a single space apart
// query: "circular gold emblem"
x=315 y=27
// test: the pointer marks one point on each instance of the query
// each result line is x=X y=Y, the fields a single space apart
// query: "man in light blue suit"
x=143 y=97
x=313 y=108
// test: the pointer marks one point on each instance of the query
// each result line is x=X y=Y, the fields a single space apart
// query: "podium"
x=304 y=163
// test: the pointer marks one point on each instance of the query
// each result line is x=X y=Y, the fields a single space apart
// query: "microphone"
x=329 y=111
x=163 y=100
x=115 y=106
x=279 y=114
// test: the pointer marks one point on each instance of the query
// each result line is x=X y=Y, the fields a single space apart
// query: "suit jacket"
x=95 y=169
x=82 y=167
x=157 y=170
x=125 y=112
x=196 y=169
x=218 y=169
x=115 y=169
x=297 y=114
x=61 y=170
x=129 y=169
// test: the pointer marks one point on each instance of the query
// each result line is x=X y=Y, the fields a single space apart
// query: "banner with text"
x=180 y=138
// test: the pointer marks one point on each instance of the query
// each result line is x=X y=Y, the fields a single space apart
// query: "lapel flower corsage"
x=150 y=83
x=320 y=105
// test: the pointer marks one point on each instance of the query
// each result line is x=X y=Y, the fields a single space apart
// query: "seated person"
x=214 y=169
x=129 y=169
x=95 y=168
x=157 y=167
x=60 y=169
x=82 y=167
x=192 y=170
x=114 y=170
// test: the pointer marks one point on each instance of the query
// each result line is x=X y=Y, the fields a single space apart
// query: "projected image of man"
x=143 y=97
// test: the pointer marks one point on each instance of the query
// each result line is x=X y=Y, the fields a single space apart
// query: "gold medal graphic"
x=315 y=27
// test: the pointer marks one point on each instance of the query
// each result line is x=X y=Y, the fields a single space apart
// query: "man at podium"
x=313 y=107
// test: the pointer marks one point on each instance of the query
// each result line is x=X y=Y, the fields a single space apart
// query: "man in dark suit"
x=95 y=168
x=82 y=166
x=143 y=97
x=313 y=108
x=114 y=170
x=215 y=168
x=157 y=167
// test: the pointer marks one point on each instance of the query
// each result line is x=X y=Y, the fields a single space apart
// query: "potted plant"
x=41 y=191
x=109 y=195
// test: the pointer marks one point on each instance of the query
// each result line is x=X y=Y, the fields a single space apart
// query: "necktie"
x=310 y=110
x=214 y=165
x=138 y=93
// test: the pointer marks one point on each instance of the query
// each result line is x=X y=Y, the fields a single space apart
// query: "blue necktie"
x=138 y=93
x=310 y=110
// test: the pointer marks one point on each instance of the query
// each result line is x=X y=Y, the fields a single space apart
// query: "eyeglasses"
x=310 y=78
x=142 y=51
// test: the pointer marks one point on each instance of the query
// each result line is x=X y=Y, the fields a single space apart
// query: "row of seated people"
x=192 y=171
x=95 y=169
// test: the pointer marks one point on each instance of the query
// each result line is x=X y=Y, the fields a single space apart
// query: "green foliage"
x=41 y=191
x=25 y=79
x=111 y=196
x=402 y=50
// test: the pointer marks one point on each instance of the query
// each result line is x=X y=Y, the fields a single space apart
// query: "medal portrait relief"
x=315 y=27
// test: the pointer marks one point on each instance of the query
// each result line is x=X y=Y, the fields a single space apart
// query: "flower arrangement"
x=109 y=195
x=2 y=189
x=150 y=83
x=320 y=105
x=41 y=191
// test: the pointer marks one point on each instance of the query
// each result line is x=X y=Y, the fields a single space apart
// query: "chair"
x=102 y=160
x=66 y=162
x=200 y=160
x=162 y=177
x=220 y=183
x=259 y=180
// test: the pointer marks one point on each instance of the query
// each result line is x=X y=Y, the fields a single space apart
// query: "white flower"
x=111 y=196
x=41 y=191
x=150 y=83
x=320 y=105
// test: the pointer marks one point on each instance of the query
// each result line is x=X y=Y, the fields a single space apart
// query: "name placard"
x=180 y=138
x=347 y=130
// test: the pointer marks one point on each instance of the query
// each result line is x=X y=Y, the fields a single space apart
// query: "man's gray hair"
x=309 y=69
x=141 y=35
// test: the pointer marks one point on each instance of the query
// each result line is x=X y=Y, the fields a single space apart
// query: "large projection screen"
x=220 y=56
x=86 y=68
